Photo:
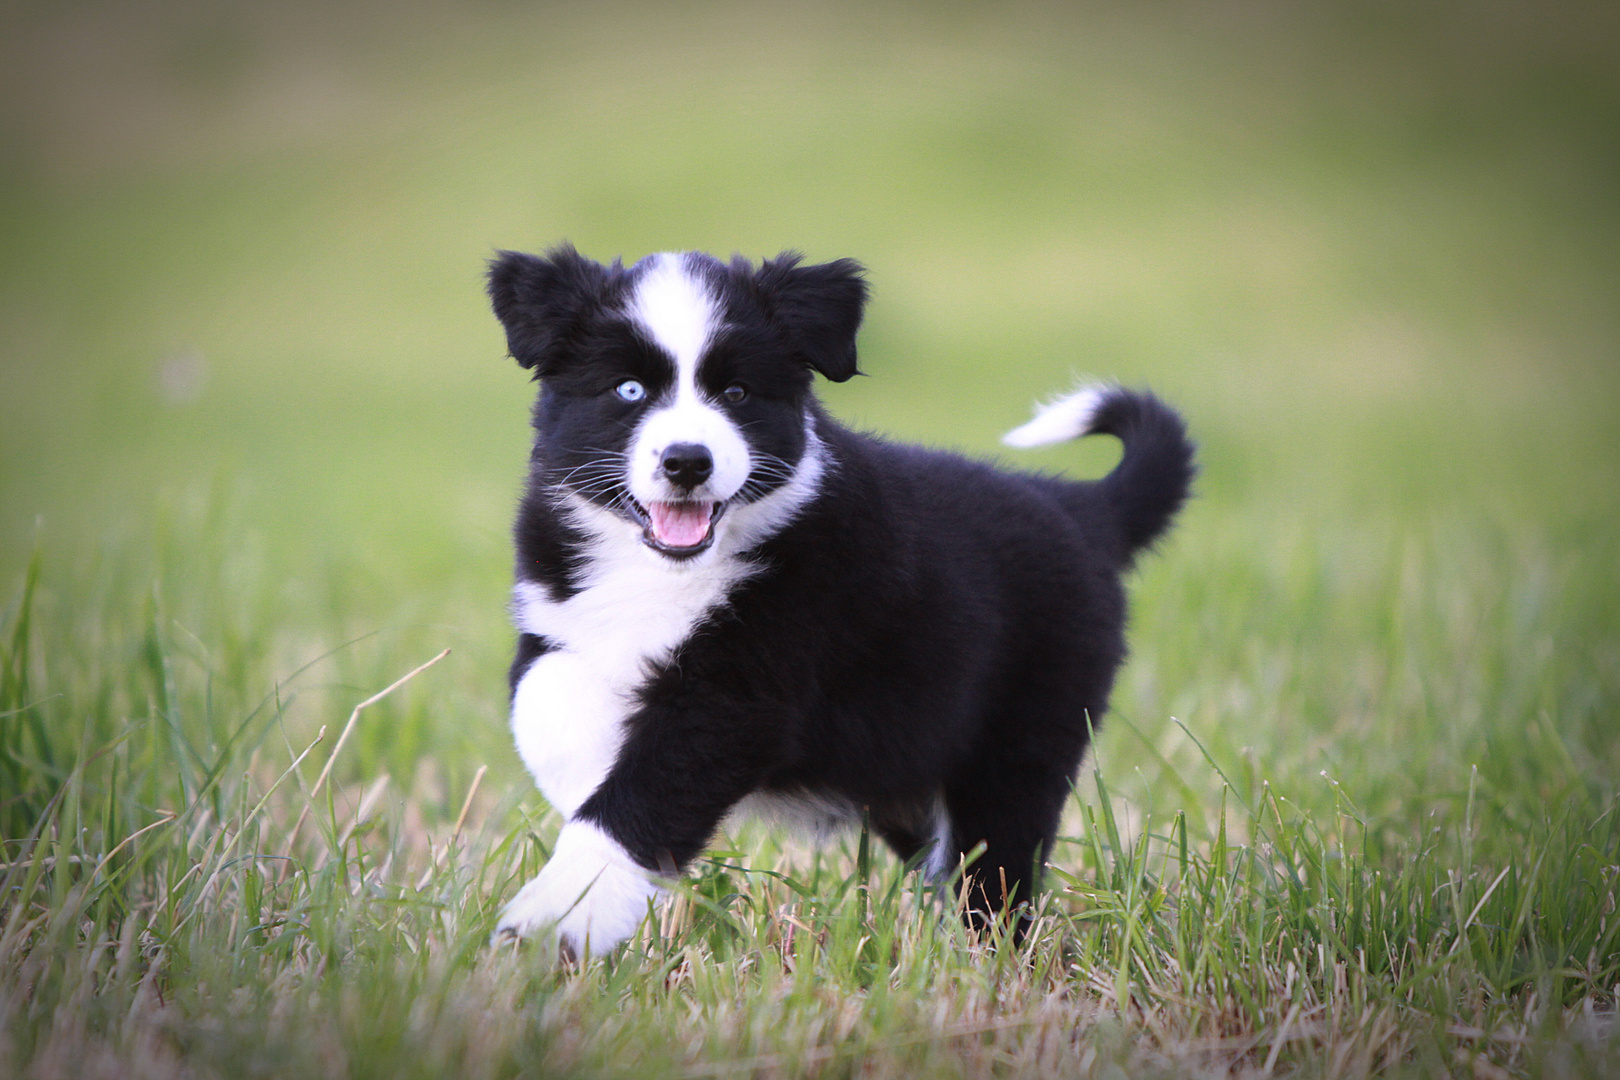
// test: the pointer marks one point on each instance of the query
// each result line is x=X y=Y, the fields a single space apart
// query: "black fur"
x=927 y=627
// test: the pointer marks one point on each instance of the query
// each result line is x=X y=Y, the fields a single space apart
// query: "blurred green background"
x=252 y=402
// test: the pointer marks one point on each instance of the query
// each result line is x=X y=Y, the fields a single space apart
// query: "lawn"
x=1354 y=810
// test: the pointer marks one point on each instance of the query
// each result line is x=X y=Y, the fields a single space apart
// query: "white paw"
x=591 y=894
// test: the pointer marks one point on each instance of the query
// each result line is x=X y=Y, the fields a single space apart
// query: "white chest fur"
x=634 y=610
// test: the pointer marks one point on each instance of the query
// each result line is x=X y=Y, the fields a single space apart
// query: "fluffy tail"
x=1151 y=481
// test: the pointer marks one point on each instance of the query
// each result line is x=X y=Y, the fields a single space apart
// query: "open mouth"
x=679 y=530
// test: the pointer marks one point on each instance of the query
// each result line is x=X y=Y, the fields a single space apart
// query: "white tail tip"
x=1069 y=417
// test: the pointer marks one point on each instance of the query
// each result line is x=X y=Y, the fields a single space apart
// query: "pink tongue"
x=682 y=524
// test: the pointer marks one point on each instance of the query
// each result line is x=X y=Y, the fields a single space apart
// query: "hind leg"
x=1009 y=795
x=1008 y=792
x=1015 y=816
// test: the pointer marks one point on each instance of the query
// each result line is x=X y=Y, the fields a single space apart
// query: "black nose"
x=687 y=464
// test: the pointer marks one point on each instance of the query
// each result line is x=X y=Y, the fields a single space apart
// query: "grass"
x=1354 y=812
x=1346 y=923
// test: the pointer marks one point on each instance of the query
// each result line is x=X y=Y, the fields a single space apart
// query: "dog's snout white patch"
x=674 y=307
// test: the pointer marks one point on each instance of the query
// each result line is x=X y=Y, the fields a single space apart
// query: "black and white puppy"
x=723 y=594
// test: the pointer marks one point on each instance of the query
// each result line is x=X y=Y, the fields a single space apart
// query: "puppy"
x=724 y=594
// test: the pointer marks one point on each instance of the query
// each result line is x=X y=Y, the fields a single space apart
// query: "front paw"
x=591 y=894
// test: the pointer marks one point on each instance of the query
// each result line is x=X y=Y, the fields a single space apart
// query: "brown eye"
x=734 y=393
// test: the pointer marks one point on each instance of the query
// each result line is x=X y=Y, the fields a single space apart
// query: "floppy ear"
x=819 y=307
x=540 y=301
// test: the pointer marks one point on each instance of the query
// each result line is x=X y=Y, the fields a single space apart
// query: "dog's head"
x=677 y=389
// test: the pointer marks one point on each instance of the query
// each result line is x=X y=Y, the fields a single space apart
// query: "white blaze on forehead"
x=673 y=305
x=676 y=310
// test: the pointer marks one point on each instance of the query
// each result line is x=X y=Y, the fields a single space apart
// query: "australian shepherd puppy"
x=723 y=594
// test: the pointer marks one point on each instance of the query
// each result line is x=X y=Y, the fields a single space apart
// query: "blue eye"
x=630 y=390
